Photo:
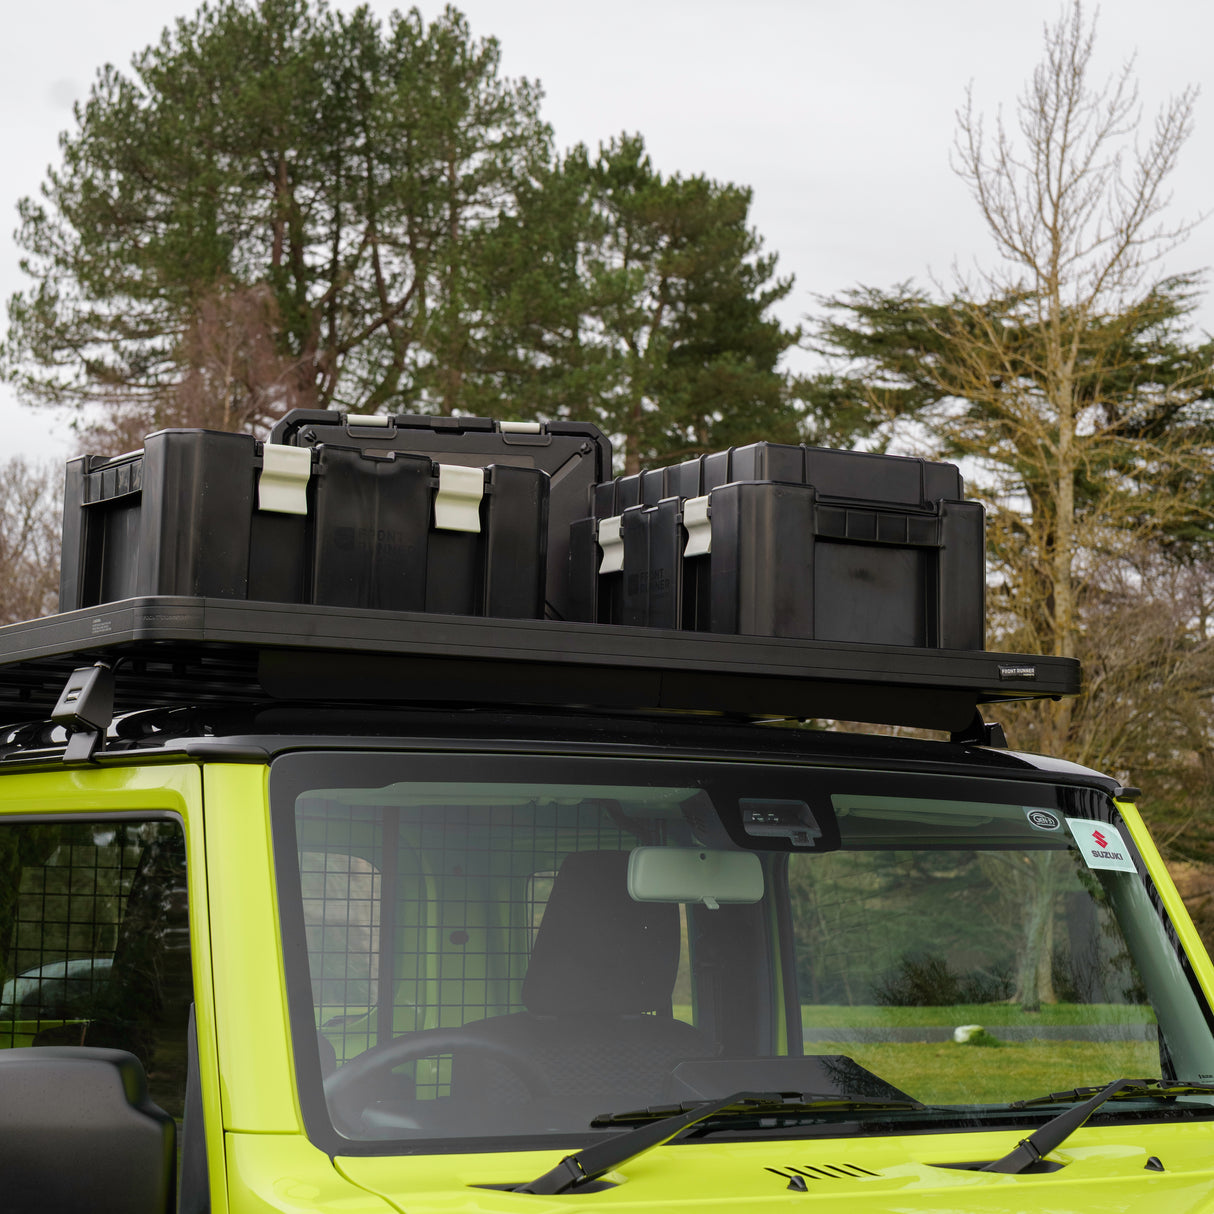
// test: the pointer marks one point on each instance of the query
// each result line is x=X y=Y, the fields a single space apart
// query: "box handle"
x=899 y=529
x=699 y=527
x=282 y=487
x=457 y=504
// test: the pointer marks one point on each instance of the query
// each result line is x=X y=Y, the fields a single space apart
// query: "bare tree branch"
x=29 y=540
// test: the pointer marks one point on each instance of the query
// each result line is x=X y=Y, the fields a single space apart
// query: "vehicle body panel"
x=1105 y=1173
x=286 y=1174
x=256 y=1077
x=260 y=1160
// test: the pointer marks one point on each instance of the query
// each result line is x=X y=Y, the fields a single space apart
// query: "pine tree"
x=642 y=301
x=333 y=170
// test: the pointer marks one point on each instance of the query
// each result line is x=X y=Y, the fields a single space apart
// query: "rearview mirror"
x=694 y=874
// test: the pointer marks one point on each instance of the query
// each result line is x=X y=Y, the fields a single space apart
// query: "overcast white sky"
x=839 y=115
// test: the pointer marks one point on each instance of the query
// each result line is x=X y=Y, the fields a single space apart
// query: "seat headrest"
x=597 y=951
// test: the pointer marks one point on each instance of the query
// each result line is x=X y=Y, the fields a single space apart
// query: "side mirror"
x=79 y=1134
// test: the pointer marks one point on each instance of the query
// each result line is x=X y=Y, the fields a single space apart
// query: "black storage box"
x=785 y=541
x=220 y=515
x=575 y=456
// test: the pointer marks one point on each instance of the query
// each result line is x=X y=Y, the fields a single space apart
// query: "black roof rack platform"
x=171 y=651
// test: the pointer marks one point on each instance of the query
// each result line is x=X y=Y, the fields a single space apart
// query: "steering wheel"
x=341 y=1087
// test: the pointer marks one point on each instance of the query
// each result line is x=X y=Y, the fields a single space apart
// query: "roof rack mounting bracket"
x=82 y=746
x=981 y=733
x=86 y=708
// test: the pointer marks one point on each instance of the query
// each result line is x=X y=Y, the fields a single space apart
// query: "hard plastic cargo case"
x=575 y=455
x=786 y=541
x=207 y=513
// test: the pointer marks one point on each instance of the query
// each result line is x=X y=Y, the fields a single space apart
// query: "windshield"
x=487 y=949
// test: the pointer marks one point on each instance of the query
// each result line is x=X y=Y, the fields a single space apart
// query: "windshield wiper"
x=757 y=1103
x=1058 y=1129
x=659 y=1125
x=1131 y=1089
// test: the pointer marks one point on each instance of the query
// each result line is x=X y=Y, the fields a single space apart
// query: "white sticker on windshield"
x=1042 y=819
x=1102 y=845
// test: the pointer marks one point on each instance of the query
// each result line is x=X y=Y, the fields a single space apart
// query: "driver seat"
x=597 y=995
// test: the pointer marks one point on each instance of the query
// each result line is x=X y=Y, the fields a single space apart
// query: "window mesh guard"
x=63 y=926
x=424 y=917
x=94 y=942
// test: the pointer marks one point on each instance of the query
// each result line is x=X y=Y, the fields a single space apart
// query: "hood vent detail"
x=800 y=1179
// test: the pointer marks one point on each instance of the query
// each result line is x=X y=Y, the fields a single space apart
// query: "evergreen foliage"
x=281 y=205
x=345 y=167
x=643 y=301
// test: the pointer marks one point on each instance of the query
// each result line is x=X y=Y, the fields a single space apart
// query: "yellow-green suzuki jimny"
x=313 y=900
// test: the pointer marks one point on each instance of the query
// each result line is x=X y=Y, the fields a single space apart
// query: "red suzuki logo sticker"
x=1101 y=846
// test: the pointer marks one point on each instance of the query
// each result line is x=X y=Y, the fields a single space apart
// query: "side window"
x=94 y=941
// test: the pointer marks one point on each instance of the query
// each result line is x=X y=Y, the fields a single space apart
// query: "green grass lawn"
x=987 y=1014
x=946 y=1073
